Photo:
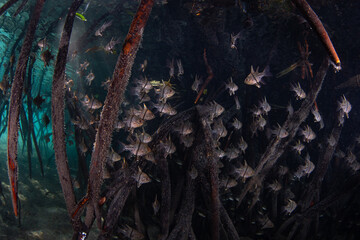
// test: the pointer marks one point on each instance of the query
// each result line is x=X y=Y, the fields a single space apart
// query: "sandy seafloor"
x=43 y=211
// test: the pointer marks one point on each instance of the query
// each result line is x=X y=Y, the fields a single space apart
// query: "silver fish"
x=298 y=147
x=255 y=77
x=89 y=78
x=92 y=103
x=280 y=132
x=138 y=148
x=42 y=44
x=261 y=122
x=165 y=91
x=133 y=121
x=290 y=109
x=219 y=153
x=344 y=106
x=106 y=84
x=144 y=137
x=187 y=140
x=316 y=114
x=232 y=87
x=275 y=186
x=84 y=65
x=299 y=92
x=143 y=66
x=143 y=113
x=119 y=125
x=156 y=205
x=355 y=166
x=171 y=68
x=114 y=156
x=180 y=67
x=219 y=129
x=196 y=84
x=103 y=27
x=233 y=39
x=165 y=108
x=242 y=145
x=265 y=106
x=308 y=133
x=231 y=153
x=150 y=157
x=82 y=124
x=184 y=128
x=212 y=110
x=110 y=46
x=257 y=111
x=290 y=206
x=143 y=84
x=237 y=103
x=168 y=146
x=236 y=124
x=141 y=178
x=245 y=171
x=228 y=183
x=309 y=166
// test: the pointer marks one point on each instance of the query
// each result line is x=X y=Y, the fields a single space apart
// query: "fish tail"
x=267 y=72
x=122 y=147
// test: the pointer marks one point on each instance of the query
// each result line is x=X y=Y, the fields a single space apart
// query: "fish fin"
x=262 y=82
x=267 y=72
x=122 y=147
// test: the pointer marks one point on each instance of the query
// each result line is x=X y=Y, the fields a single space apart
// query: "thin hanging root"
x=37 y=150
x=165 y=195
x=208 y=79
x=81 y=204
x=119 y=192
x=213 y=179
x=15 y=103
x=22 y=5
x=7 y=5
x=113 y=100
x=207 y=162
x=29 y=146
x=57 y=113
x=316 y=24
x=228 y=224
x=29 y=112
x=186 y=211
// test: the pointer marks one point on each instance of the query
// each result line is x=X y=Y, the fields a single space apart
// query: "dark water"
x=212 y=179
